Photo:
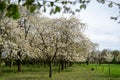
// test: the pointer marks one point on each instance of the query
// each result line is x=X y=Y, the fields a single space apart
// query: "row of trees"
x=105 y=56
x=34 y=37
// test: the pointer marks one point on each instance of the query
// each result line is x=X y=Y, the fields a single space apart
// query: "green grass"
x=114 y=69
x=76 y=72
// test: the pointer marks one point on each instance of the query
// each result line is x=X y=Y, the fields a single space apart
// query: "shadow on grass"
x=68 y=70
x=109 y=77
x=24 y=69
x=27 y=78
x=115 y=75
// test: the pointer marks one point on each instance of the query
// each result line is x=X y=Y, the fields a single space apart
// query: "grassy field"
x=76 y=72
x=114 y=69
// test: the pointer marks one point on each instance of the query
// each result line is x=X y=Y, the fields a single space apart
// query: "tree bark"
x=59 y=67
x=19 y=65
x=50 y=69
x=100 y=61
x=65 y=64
x=70 y=64
x=62 y=65
x=19 y=61
x=11 y=63
x=0 y=64
x=87 y=62
x=109 y=68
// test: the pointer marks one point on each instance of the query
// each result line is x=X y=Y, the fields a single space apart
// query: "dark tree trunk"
x=50 y=69
x=100 y=62
x=19 y=61
x=59 y=67
x=11 y=60
x=44 y=63
x=87 y=62
x=0 y=63
x=62 y=65
x=109 y=68
x=65 y=65
x=19 y=65
x=0 y=56
x=70 y=64
x=11 y=63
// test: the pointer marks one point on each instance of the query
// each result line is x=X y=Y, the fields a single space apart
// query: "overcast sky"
x=101 y=29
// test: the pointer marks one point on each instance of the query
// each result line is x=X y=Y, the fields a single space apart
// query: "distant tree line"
x=105 y=56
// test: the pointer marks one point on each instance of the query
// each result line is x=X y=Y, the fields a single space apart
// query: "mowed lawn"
x=76 y=72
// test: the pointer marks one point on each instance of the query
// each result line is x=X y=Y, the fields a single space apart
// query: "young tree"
x=54 y=38
x=118 y=58
x=115 y=54
x=109 y=57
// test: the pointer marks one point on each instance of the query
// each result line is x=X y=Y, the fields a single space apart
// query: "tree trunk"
x=0 y=64
x=11 y=63
x=0 y=57
x=70 y=64
x=11 y=60
x=62 y=65
x=44 y=63
x=100 y=62
x=59 y=66
x=19 y=65
x=87 y=62
x=109 y=68
x=50 y=69
x=65 y=64
x=19 y=61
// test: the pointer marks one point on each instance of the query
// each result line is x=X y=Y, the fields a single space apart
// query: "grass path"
x=72 y=73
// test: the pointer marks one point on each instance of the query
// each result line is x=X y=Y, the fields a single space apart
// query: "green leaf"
x=57 y=9
x=8 y=1
x=101 y=1
x=115 y=18
x=2 y=5
x=44 y=9
x=56 y=0
x=19 y=1
x=44 y=2
x=13 y=11
x=64 y=2
x=16 y=16
x=32 y=8
x=51 y=3
x=110 y=4
x=39 y=5
x=83 y=6
x=52 y=11
x=80 y=1
x=28 y=3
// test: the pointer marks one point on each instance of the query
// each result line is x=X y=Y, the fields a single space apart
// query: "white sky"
x=101 y=29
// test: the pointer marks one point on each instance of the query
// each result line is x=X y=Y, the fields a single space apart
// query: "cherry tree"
x=54 y=38
x=17 y=33
x=118 y=58
x=109 y=57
